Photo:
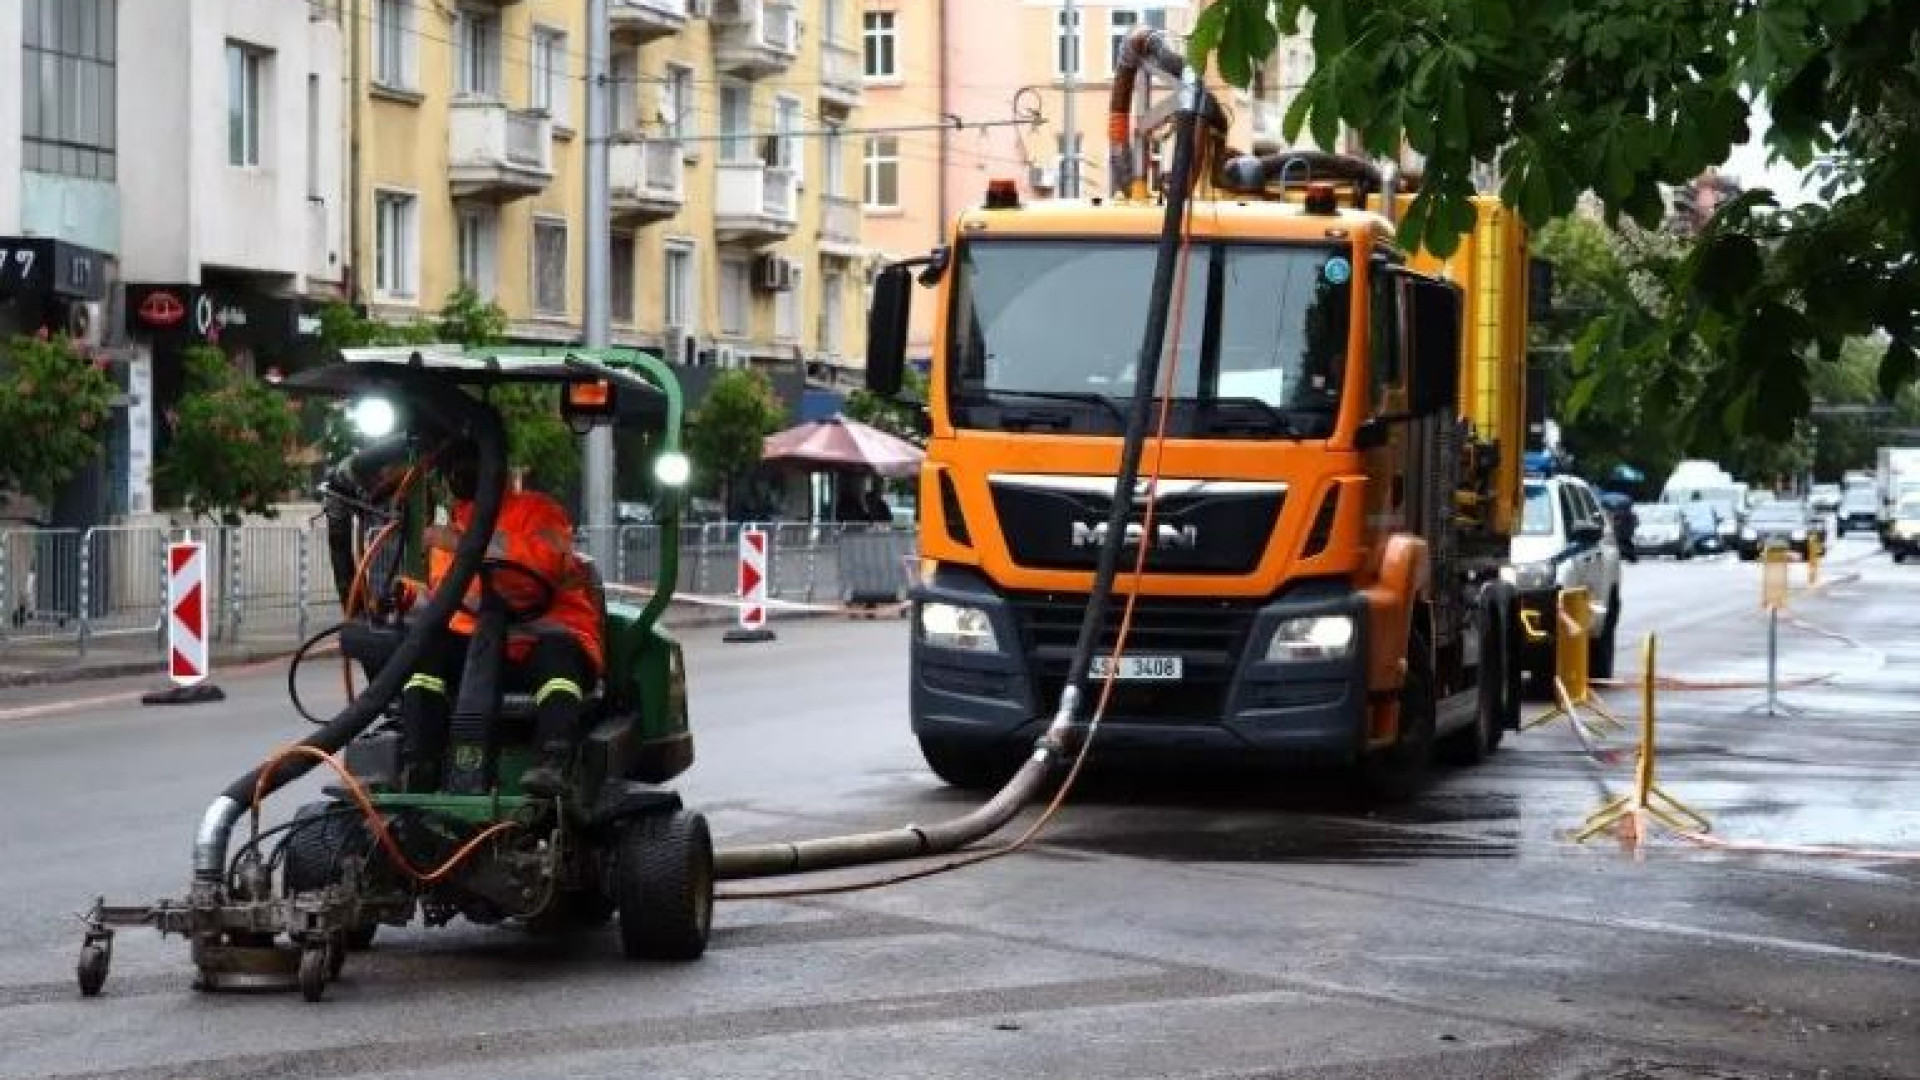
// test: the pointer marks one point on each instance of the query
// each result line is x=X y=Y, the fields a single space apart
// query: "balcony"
x=753 y=38
x=755 y=203
x=647 y=180
x=498 y=153
x=840 y=226
x=841 y=75
x=640 y=21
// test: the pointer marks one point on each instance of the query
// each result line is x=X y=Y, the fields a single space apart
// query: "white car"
x=1565 y=541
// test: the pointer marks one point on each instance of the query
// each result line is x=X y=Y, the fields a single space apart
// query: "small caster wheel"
x=314 y=964
x=92 y=969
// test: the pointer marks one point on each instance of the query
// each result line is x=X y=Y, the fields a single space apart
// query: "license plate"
x=1138 y=668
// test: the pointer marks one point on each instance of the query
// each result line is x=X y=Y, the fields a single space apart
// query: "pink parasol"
x=843 y=444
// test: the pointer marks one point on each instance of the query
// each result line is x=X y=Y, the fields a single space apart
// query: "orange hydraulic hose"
x=372 y=814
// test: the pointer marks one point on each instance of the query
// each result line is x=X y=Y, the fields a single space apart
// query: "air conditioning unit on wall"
x=86 y=322
x=1042 y=178
x=774 y=273
x=726 y=357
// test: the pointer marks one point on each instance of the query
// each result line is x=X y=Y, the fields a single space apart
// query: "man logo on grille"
x=1165 y=537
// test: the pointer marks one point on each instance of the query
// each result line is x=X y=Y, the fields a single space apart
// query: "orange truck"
x=1325 y=577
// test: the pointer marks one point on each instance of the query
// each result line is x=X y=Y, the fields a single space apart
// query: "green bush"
x=236 y=442
x=54 y=406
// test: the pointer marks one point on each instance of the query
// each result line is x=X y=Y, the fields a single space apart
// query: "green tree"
x=727 y=432
x=1621 y=97
x=902 y=417
x=236 y=441
x=53 y=408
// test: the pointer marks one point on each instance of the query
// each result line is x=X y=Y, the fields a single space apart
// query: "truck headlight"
x=1529 y=576
x=954 y=626
x=1316 y=637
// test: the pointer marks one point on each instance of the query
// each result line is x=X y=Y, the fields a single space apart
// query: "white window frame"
x=833 y=148
x=677 y=109
x=314 y=135
x=786 y=310
x=547 y=72
x=736 y=142
x=477 y=78
x=248 y=97
x=618 y=314
x=396 y=47
x=873 y=166
x=736 y=296
x=477 y=249
x=623 y=111
x=677 y=295
x=1069 y=35
x=789 y=117
x=550 y=221
x=1121 y=23
x=396 y=255
x=880 y=43
x=833 y=284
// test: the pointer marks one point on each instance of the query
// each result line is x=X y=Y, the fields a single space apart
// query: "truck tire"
x=967 y=765
x=1396 y=775
x=1600 y=648
x=1499 y=689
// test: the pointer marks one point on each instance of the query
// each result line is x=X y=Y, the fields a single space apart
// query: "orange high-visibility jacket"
x=533 y=531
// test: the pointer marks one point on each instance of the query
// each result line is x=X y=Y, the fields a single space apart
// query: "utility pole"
x=597 y=488
x=1069 y=154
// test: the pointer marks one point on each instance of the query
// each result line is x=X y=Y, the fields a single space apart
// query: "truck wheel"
x=1600 y=649
x=969 y=766
x=1499 y=691
x=663 y=883
x=1395 y=775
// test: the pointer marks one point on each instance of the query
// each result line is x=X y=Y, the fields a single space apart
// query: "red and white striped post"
x=752 y=621
x=189 y=660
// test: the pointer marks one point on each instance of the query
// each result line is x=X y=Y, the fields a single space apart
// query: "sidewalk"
x=57 y=661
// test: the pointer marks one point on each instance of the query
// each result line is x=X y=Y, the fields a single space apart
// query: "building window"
x=393 y=44
x=1066 y=42
x=1121 y=23
x=786 y=125
x=549 y=266
x=878 y=38
x=883 y=172
x=786 y=311
x=396 y=241
x=735 y=285
x=313 y=138
x=736 y=123
x=68 y=88
x=550 y=73
x=478 y=247
x=832 y=285
x=476 y=65
x=620 y=277
x=677 y=293
x=624 y=70
x=246 y=71
x=1061 y=163
x=676 y=103
x=833 y=147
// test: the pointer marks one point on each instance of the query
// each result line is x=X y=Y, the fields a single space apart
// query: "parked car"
x=1903 y=533
x=1777 y=524
x=1824 y=498
x=1859 y=511
x=1663 y=530
x=1566 y=542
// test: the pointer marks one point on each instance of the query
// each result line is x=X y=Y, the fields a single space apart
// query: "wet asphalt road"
x=1165 y=927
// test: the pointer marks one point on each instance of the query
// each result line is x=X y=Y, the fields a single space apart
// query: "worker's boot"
x=548 y=778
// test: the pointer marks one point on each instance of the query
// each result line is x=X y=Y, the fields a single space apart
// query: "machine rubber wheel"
x=969 y=766
x=313 y=856
x=1396 y=775
x=1600 y=650
x=92 y=970
x=314 y=969
x=663 y=884
x=1899 y=556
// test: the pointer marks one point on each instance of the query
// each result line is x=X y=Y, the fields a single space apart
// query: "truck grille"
x=1208 y=635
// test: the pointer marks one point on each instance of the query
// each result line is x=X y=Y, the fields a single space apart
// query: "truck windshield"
x=1052 y=328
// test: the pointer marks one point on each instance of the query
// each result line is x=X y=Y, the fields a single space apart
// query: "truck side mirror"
x=887 y=330
x=1433 y=308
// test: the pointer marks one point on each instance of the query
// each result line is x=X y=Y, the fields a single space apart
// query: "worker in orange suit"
x=534 y=533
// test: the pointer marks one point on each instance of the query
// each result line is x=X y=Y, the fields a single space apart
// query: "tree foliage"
x=901 y=417
x=54 y=406
x=1621 y=97
x=236 y=441
x=727 y=432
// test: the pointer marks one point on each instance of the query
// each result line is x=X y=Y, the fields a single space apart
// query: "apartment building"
x=168 y=177
x=735 y=233
x=990 y=60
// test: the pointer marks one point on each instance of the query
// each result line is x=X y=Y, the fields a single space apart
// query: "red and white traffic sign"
x=187 y=613
x=753 y=579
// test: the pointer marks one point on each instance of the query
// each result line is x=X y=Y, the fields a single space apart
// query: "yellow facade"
x=419 y=137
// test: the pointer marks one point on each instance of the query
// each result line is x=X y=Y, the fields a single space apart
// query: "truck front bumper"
x=1230 y=700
